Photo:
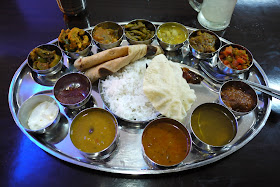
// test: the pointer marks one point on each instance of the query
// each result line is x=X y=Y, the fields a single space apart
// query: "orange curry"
x=165 y=144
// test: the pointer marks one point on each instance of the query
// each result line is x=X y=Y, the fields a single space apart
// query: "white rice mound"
x=123 y=92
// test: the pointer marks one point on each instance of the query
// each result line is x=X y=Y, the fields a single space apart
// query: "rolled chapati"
x=135 y=52
x=107 y=68
x=99 y=58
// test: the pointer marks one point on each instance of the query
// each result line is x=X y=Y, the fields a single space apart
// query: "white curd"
x=42 y=115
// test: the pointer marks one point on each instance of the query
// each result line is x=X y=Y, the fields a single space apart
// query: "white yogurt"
x=42 y=115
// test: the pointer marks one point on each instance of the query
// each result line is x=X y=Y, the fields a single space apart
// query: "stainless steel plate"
x=128 y=158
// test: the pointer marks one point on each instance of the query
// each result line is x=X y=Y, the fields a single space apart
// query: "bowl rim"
x=116 y=129
x=239 y=47
x=69 y=74
x=210 y=32
x=49 y=70
x=147 y=21
x=176 y=123
x=237 y=113
x=207 y=144
x=177 y=24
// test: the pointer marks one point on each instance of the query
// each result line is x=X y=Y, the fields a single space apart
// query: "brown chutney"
x=237 y=98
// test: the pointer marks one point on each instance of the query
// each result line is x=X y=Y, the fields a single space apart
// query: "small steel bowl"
x=227 y=70
x=202 y=55
x=201 y=137
x=53 y=70
x=167 y=46
x=76 y=55
x=109 y=25
x=72 y=90
x=26 y=109
x=150 y=142
x=149 y=25
x=235 y=97
x=82 y=128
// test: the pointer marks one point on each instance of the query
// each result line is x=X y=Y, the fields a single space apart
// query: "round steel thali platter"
x=128 y=158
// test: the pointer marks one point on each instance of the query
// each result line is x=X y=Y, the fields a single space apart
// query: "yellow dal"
x=172 y=34
x=212 y=126
x=93 y=131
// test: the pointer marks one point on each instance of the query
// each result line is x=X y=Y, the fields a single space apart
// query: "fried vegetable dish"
x=74 y=40
x=44 y=59
x=235 y=58
x=204 y=42
x=105 y=36
x=138 y=31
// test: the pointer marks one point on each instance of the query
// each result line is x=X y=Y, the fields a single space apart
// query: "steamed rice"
x=123 y=92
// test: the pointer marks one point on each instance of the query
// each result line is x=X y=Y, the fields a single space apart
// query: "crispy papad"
x=166 y=89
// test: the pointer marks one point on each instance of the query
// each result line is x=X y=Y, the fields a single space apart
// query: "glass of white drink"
x=214 y=14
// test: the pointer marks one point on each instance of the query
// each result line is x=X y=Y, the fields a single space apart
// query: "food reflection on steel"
x=191 y=77
x=74 y=40
x=138 y=31
x=204 y=42
x=44 y=59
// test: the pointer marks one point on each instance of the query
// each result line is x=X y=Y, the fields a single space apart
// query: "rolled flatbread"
x=135 y=52
x=107 y=68
x=99 y=58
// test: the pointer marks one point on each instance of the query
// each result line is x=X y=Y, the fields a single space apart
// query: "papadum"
x=166 y=89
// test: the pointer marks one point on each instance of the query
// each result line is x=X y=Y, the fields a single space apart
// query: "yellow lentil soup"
x=93 y=130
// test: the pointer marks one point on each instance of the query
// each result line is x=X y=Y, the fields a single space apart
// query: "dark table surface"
x=28 y=23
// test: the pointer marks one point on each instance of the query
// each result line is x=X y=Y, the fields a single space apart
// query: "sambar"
x=166 y=142
x=93 y=130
